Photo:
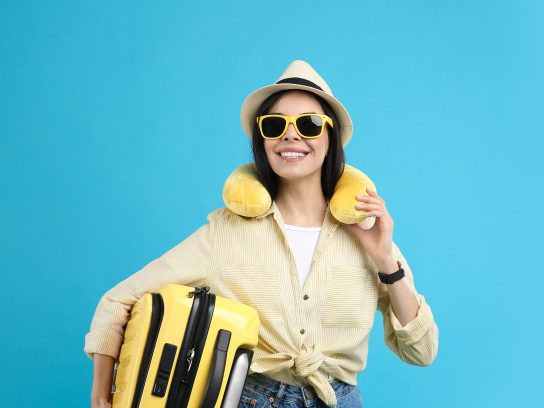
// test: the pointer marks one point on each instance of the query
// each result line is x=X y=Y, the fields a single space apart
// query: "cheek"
x=269 y=149
x=321 y=147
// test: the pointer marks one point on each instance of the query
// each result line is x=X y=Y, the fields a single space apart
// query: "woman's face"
x=294 y=103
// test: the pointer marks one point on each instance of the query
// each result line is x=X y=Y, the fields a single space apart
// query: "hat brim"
x=254 y=100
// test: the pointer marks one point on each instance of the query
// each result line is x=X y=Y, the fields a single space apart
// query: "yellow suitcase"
x=185 y=347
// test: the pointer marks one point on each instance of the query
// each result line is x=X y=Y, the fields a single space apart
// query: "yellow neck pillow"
x=245 y=195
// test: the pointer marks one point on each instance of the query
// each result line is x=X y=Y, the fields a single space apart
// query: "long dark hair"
x=333 y=165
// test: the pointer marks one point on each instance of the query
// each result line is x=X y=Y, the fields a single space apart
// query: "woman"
x=313 y=280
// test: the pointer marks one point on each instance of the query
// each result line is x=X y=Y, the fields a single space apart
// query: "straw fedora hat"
x=298 y=75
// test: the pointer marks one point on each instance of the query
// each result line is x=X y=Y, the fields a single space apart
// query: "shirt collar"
x=273 y=209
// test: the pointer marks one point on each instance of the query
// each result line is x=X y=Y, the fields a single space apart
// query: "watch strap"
x=389 y=278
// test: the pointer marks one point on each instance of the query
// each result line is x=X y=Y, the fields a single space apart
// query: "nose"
x=291 y=133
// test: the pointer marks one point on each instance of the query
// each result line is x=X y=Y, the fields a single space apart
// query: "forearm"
x=103 y=376
x=404 y=302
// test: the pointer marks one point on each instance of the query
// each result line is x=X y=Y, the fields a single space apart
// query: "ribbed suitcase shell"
x=135 y=379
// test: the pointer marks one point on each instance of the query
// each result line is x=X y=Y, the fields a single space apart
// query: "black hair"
x=333 y=165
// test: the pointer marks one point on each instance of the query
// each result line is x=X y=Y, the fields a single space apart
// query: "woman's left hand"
x=377 y=240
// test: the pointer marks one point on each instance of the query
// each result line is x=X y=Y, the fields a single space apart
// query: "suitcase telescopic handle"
x=217 y=369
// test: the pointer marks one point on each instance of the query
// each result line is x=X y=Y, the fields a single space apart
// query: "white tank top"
x=302 y=241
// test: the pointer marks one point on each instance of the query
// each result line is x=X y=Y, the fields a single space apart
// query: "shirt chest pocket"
x=351 y=298
x=256 y=286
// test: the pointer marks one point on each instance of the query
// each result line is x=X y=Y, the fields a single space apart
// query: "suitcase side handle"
x=217 y=369
x=165 y=368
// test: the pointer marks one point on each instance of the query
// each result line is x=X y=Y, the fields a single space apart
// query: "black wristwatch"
x=390 y=278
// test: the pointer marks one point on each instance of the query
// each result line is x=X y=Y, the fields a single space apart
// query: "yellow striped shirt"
x=308 y=335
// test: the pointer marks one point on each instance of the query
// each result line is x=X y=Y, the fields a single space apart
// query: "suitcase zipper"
x=201 y=315
x=182 y=374
x=190 y=357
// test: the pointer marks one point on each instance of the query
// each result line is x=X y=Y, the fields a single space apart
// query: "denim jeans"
x=261 y=391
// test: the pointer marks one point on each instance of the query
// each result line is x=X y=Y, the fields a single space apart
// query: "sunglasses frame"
x=293 y=119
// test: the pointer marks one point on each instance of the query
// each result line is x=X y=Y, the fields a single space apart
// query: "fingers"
x=369 y=207
x=372 y=205
x=372 y=197
x=368 y=199
x=372 y=193
x=377 y=213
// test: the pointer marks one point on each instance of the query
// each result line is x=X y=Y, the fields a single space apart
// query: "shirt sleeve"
x=417 y=342
x=187 y=263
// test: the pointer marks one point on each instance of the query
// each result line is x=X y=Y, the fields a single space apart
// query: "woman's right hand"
x=102 y=381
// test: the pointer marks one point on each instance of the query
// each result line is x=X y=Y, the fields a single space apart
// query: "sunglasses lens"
x=310 y=125
x=273 y=126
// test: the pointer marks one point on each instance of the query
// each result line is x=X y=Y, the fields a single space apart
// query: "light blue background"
x=120 y=122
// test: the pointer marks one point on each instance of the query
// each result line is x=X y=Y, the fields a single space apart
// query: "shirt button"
x=306 y=297
x=302 y=331
x=271 y=399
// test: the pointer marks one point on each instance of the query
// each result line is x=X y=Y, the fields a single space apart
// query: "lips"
x=292 y=150
x=292 y=154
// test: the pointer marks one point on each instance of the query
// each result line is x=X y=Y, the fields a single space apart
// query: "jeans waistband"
x=277 y=390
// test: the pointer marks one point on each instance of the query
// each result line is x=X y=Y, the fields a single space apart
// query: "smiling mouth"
x=292 y=154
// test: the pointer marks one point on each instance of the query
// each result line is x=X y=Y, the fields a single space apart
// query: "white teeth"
x=292 y=154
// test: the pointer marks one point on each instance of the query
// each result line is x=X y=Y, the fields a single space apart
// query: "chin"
x=295 y=173
x=295 y=170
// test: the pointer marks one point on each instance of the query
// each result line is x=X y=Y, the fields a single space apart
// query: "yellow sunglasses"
x=307 y=125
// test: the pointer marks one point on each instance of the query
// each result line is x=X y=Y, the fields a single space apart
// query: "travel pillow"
x=245 y=195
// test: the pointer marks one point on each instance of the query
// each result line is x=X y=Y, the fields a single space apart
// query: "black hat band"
x=299 y=81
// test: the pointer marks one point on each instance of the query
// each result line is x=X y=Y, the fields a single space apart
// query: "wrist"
x=101 y=395
x=387 y=265
x=100 y=398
